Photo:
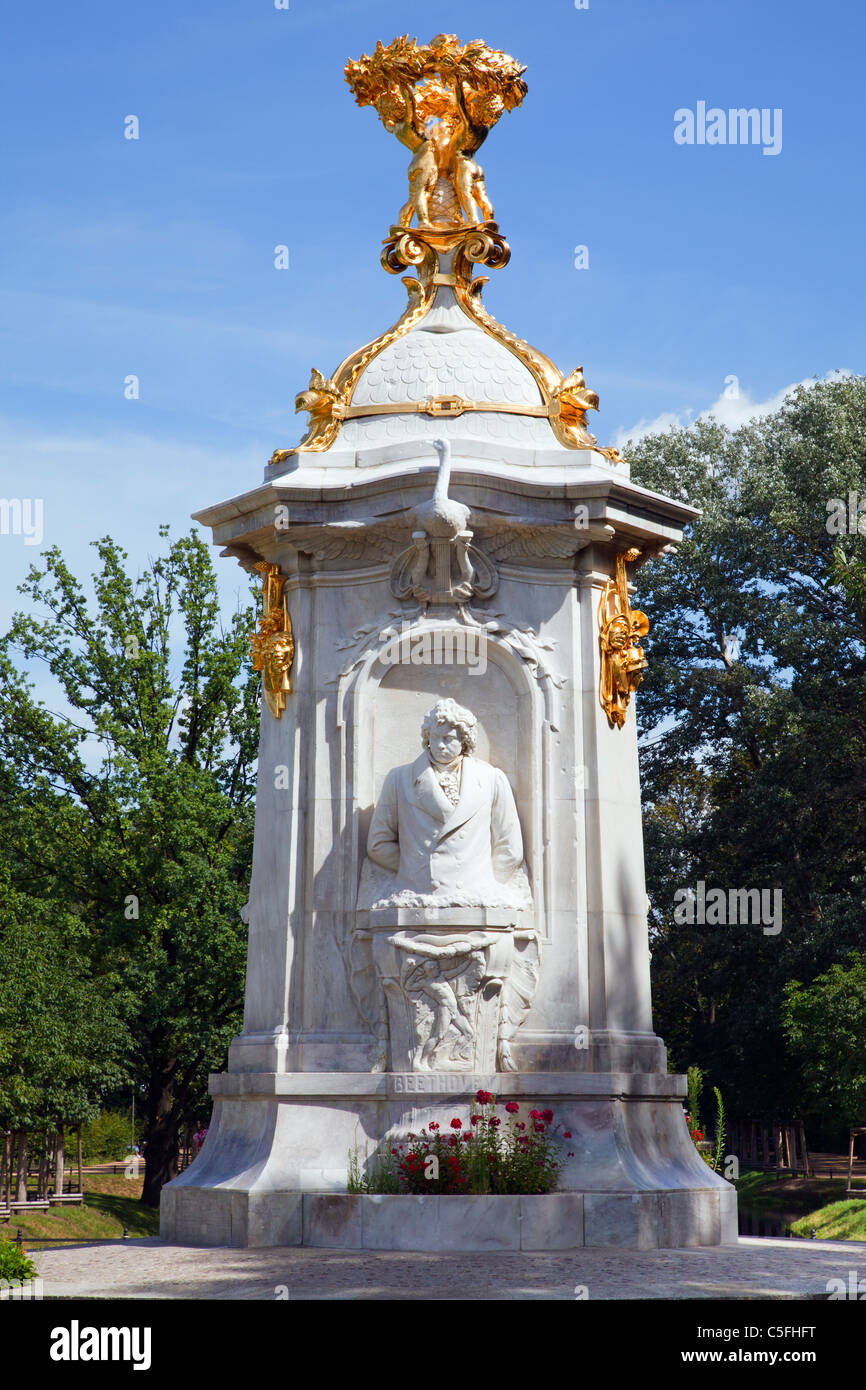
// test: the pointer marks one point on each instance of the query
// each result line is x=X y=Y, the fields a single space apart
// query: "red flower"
x=467 y=1138
x=456 y=1124
x=521 y=1125
x=473 y=1119
x=571 y=1155
x=494 y=1120
x=547 y=1116
x=539 y=1128
x=433 y=1124
x=535 y=1114
x=512 y=1107
x=567 y=1134
x=483 y=1097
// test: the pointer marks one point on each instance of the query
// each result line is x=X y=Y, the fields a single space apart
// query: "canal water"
x=757 y=1222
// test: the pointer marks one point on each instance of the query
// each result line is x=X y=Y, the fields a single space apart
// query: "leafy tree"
x=753 y=719
x=62 y=1043
x=138 y=794
x=825 y=1023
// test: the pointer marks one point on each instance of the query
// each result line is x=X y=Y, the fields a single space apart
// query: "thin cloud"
x=732 y=411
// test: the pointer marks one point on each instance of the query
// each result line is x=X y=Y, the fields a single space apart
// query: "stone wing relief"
x=349 y=540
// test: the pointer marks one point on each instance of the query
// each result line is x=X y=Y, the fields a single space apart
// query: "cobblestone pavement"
x=763 y=1269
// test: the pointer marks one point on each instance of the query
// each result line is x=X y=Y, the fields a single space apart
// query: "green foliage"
x=825 y=1023
x=61 y=1041
x=14 y=1263
x=718 y=1155
x=695 y=1083
x=106 y=1138
x=753 y=722
x=129 y=815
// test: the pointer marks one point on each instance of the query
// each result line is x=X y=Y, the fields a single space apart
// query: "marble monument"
x=447 y=553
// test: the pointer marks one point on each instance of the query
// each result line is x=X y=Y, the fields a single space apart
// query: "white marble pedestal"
x=388 y=616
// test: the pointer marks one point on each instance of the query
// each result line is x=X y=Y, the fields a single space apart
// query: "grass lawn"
x=845 y=1220
x=111 y=1202
x=819 y=1204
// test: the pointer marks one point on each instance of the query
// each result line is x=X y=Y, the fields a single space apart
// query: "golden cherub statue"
x=440 y=100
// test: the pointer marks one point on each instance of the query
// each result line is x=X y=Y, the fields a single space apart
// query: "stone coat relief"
x=445 y=954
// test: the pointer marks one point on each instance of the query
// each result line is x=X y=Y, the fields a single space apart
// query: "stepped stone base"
x=555 y=1221
x=273 y=1170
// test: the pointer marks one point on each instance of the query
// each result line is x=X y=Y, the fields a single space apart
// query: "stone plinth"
x=278 y=1144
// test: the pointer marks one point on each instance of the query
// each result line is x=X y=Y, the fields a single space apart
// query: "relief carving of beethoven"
x=446 y=825
x=447 y=962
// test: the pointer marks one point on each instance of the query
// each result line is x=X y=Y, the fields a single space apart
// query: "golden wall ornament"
x=440 y=100
x=272 y=648
x=621 y=629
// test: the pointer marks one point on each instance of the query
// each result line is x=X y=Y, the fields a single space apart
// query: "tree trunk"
x=22 y=1166
x=80 y=1168
x=5 y=1179
x=161 y=1138
x=59 y=1162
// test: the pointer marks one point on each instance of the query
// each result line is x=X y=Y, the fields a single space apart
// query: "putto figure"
x=446 y=825
x=440 y=100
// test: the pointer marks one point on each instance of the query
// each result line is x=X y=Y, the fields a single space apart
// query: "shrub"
x=14 y=1263
x=482 y=1155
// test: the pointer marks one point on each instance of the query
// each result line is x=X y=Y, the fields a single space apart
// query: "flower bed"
x=482 y=1155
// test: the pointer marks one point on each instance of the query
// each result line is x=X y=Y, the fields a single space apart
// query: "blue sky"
x=155 y=257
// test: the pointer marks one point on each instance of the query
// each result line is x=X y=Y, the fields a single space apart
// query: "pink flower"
x=512 y=1107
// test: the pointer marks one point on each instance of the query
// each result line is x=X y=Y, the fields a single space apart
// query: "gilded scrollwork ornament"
x=621 y=630
x=272 y=648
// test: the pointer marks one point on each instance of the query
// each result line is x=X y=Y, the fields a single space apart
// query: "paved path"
x=763 y=1269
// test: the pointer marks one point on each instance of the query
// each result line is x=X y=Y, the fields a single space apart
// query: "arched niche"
x=382 y=702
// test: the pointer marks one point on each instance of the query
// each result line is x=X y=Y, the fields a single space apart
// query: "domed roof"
x=447 y=354
x=437 y=361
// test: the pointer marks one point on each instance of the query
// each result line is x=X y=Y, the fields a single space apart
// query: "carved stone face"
x=446 y=743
